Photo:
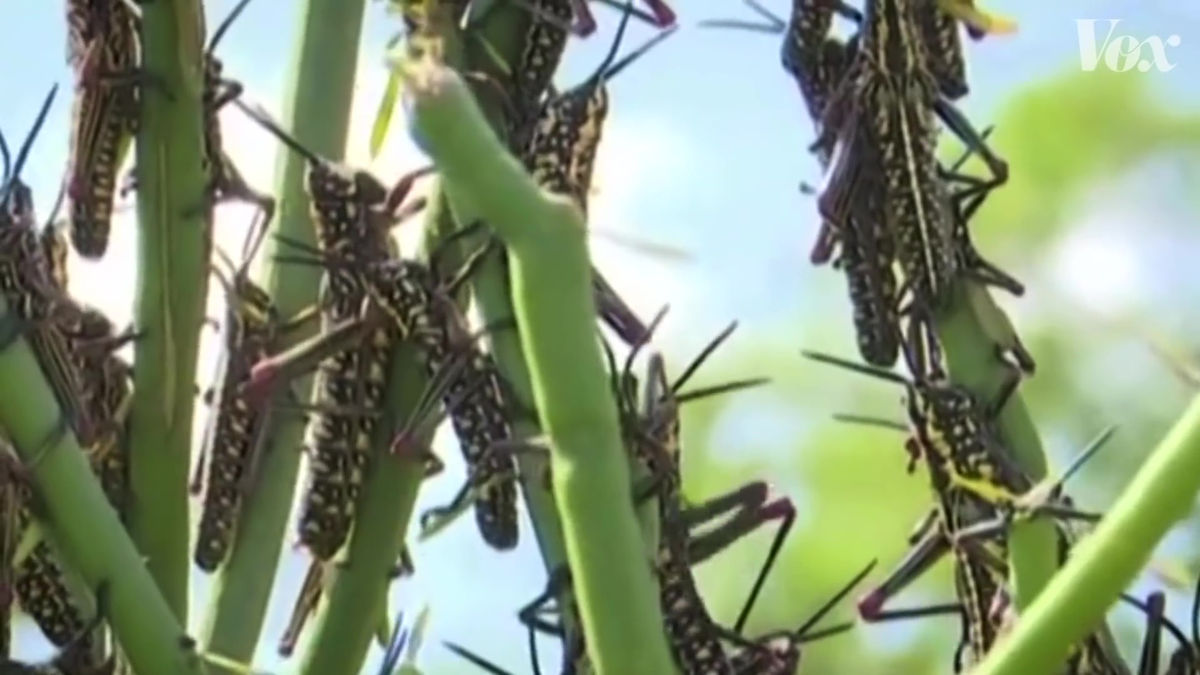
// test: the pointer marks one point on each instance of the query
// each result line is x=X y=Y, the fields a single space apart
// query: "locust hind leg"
x=306 y=605
x=751 y=510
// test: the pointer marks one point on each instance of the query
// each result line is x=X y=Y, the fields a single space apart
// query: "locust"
x=14 y=494
x=542 y=49
x=36 y=580
x=865 y=251
x=974 y=531
x=697 y=641
x=104 y=49
x=351 y=213
x=424 y=315
x=877 y=128
x=561 y=153
x=30 y=291
x=77 y=656
x=235 y=433
x=958 y=429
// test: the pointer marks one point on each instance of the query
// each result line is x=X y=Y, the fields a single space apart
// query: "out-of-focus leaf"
x=417 y=636
x=383 y=116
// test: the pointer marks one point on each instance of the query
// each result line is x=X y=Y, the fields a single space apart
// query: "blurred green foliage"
x=1061 y=137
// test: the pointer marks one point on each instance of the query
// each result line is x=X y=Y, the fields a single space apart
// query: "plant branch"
x=84 y=527
x=173 y=246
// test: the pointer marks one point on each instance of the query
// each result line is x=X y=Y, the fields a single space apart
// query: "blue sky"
x=703 y=152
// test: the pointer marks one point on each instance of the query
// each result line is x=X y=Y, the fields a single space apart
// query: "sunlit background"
x=703 y=152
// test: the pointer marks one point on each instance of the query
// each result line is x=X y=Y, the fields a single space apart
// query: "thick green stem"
x=504 y=34
x=358 y=595
x=84 y=527
x=970 y=331
x=555 y=313
x=317 y=111
x=1105 y=563
x=173 y=249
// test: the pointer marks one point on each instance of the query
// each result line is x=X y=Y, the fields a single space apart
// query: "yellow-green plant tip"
x=383 y=116
x=1107 y=561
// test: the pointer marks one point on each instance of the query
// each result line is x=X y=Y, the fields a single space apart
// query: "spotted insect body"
x=233 y=437
x=42 y=592
x=106 y=392
x=348 y=210
x=104 y=119
x=881 y=119
x=29 y=290
x=407 y=291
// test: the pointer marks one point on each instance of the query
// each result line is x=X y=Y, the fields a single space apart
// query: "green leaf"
x=383 y=116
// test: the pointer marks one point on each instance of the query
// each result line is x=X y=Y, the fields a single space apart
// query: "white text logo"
x=1122 y=53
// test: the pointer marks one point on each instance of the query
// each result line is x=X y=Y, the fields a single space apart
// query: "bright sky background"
x=703 y=151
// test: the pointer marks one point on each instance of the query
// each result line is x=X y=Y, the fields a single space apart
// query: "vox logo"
x=1122 y=53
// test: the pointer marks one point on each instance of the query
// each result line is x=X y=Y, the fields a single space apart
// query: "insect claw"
x=585 y=23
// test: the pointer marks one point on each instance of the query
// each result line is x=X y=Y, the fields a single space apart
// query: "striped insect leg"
x=944 y=50
x=104 y=119
x=480 y=422
x=866 y=258
x=234 y=437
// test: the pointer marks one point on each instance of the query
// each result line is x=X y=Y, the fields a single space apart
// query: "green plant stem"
x=84 y=527
x=1106 y=562
x=317 y=111
x=969 y=332
x=504 y=33
x=555 y=313
x=358 y=594
x=173 y=249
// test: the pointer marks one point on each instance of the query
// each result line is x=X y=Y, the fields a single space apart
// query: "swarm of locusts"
x=893 y=219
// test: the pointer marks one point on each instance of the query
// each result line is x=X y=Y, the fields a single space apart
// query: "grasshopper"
x=974 y=530
x=542 y=50
x=878 y=131
x=351 y=212
x=652 y=435
x=236 y=430
x=561 y=154
x=817 y=63
x=418 y=309
x=423 y=314
x=106 y=53
x=26 y=282
x=77 y=656
x=14 y=494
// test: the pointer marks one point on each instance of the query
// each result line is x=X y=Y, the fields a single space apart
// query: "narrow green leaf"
x=383 y=116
